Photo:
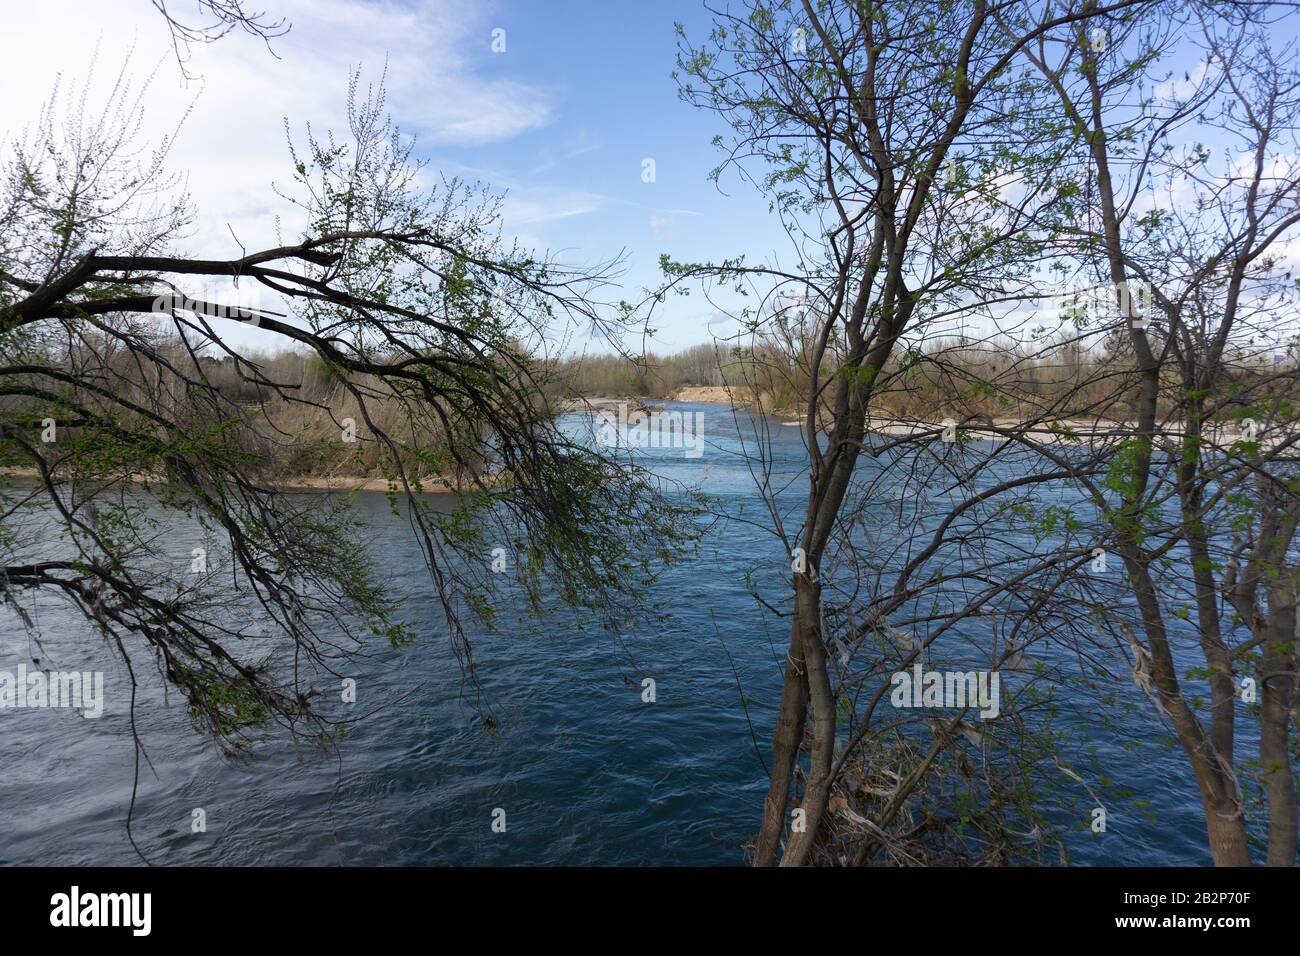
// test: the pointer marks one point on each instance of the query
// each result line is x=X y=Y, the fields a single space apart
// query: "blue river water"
x=584 y=770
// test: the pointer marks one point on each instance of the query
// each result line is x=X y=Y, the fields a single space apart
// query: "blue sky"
x=562 y=120
x=606 y=68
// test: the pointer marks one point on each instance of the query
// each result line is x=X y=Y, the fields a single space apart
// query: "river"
x=585 y=771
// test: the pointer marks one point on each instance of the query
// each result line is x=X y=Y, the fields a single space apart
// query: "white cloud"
x=443 y=85
x=541 y=205
x=1176 y=90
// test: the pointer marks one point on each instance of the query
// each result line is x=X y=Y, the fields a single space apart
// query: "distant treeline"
x=297 y=408
x=939 y=378
x=300 y=417
x=650 y=375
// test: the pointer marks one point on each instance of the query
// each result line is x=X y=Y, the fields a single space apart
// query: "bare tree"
x=1161 y=211
x=889 y=134
x=218 y=18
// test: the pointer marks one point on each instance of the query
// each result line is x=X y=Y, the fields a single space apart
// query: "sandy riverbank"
x=429 y=486
x=708 y=395
x=1084 y=430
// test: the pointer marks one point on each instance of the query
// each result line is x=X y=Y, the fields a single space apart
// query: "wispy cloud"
x=444 y=85
x=579 y=144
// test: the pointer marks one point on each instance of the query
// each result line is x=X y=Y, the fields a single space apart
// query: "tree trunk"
x=1277 y=670
x=822 y=698
x=1225 y=822
x=1226 y=827
x=785 y=750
